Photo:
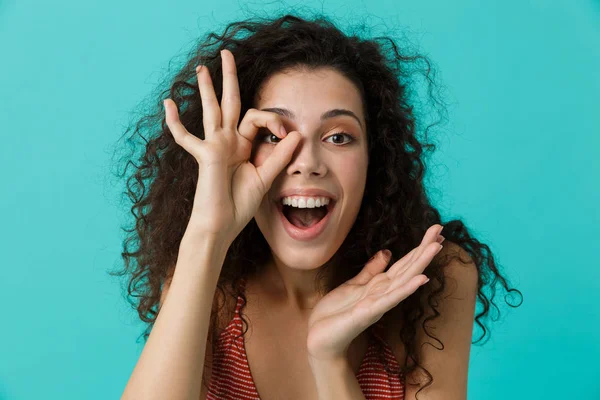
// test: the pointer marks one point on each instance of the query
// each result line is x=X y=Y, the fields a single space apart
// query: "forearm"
x=336 y=380
x=172 y=361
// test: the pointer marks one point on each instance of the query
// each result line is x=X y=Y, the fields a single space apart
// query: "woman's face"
x=331 y=156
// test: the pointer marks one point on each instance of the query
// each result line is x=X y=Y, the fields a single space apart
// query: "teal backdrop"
x=517 y=161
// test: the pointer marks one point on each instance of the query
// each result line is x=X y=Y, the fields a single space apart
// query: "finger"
x=278 y=159
x=430 y=236
x=211 y=112
x=374 y=266
x=181 y=135
x=400 y=264
x=395 y=295
x=416 y=267
x=255 y=119
x=230 y=101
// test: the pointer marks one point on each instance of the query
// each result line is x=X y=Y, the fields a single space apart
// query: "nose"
x=307 y=160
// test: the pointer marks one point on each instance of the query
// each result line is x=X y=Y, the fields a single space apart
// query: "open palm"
x=341 y=315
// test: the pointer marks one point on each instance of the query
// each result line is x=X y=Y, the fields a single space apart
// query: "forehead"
x=308 y=93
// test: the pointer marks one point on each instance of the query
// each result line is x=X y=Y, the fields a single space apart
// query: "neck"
x=297 y=290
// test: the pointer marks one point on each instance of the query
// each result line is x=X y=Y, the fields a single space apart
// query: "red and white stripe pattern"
x=231 y=378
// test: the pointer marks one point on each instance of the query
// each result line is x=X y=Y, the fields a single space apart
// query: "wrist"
x=210 y=245
x=202 y=254
x=337 y=362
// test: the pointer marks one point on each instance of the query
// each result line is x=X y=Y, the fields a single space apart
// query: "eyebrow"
x=326 y=115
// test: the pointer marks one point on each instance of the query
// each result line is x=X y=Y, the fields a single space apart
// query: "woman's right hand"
x=230 y=189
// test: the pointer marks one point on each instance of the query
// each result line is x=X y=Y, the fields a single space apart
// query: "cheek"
x=353 y=171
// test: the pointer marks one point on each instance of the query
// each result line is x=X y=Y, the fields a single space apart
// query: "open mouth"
x=305 y=223
x=304 y=218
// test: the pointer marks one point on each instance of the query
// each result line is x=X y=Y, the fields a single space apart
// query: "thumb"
x=278 y=159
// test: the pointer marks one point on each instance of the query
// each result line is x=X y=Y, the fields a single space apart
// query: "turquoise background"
x=518 y=161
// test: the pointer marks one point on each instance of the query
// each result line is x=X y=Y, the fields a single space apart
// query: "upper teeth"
x=305 y=202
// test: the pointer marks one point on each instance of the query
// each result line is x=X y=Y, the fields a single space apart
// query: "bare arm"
x=228 y=193
x=172 y=361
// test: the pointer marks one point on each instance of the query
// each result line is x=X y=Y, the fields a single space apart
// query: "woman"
x=296 y=259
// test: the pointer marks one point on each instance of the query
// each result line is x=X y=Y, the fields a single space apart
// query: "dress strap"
x=236 y=321
x=243 y=282
x=242 y=288
x=377 y=329
x=379 y=333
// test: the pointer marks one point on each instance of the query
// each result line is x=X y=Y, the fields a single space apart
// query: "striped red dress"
x=231 y=378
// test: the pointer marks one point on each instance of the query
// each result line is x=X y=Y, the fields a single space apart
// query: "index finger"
x=230 y=100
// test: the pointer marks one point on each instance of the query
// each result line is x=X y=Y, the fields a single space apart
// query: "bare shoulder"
x=452 y=326
x=461 y=268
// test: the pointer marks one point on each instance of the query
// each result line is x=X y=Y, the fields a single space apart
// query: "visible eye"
x=342 y=134
x=270 y=136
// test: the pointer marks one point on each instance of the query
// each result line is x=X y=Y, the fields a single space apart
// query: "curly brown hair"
x=395 y=210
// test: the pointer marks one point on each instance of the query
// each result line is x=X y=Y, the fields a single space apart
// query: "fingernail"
x=283 y=131
x=441 y=229
x=426 y=281
x=387 y=253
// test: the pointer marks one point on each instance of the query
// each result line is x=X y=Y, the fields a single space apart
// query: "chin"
x=302 y=259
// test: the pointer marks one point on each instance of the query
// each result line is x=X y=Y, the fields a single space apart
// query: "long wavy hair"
x=395 y=210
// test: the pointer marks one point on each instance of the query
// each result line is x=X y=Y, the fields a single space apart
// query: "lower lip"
x=304 y=234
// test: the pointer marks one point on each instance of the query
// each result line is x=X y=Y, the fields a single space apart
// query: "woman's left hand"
x=342 y=314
